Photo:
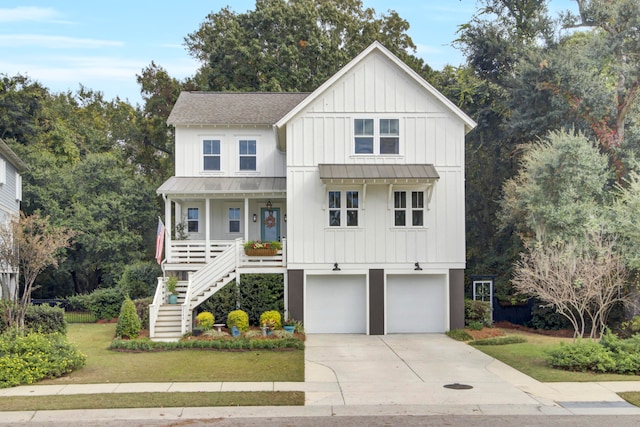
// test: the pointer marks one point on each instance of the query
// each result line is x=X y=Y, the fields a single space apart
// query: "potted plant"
x=289 y=325
x=172 y=284
x=258 y=248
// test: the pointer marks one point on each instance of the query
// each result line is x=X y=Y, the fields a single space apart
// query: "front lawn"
x=106 y=366
x=529 y=358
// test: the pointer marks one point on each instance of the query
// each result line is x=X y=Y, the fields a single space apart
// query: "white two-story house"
x=362 y=181
x=11 y=170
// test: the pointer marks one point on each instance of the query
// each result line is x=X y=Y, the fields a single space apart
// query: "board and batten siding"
x=189 y=156
x=323 y=133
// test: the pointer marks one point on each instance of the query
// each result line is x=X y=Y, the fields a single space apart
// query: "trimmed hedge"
x=45 y=319
x=239 y=319
x=105 y=303
x=241 y=343
x=499 y=341
x=271 y=317
x=27 y=359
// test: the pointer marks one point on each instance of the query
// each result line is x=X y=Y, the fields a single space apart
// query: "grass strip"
x=632 y=397
x=151 y=400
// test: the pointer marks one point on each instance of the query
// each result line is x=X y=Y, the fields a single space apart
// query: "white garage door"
x=416 y=304
x=336 y=305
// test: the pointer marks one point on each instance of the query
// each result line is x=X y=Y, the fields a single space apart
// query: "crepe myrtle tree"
x=581 y=281
x=32 y=244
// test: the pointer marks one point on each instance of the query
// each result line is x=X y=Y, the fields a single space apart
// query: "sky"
x=103 y=45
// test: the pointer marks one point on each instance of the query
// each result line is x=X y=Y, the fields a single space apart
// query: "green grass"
x=106 y=366
x=150 y=400
x=632 y=397
x=529 y=358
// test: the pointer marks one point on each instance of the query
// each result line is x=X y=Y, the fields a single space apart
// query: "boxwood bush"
x=271 y=317
x=129 y=324
x=27 y=359
x=242 y=343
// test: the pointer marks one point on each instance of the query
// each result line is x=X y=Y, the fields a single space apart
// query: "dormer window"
x=381 y=137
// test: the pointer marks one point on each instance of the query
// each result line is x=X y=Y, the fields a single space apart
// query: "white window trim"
x=237 y=151
x=376 y=136
x=18 y=187
x=227 y=219
x=3 y=171
x=187 y=220
x=343 y=208
x=202 y=156
x=409 y=208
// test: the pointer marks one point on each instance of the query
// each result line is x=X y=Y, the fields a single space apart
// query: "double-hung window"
x=211 y=154
x=343 y=208
x=247 y=154
x=234 y=220
x=376 y=137
x=408 y=208
x=192 y=220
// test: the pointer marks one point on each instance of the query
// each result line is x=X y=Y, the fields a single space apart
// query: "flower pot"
x=260 y=251
x=290 y=329
x=173 y=299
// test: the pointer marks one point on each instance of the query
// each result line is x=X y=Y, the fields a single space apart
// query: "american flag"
x=159 y=241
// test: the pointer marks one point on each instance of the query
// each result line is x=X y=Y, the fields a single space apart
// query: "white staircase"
x=169 y=322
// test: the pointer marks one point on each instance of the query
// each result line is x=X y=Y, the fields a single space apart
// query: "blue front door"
x=270 y=224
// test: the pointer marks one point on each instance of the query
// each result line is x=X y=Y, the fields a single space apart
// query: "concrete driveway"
x=403 y=370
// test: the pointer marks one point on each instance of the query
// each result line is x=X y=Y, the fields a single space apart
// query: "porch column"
x=167 y=225
x=207 y=225
x=246 y=219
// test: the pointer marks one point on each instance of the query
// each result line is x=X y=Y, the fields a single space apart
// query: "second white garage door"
x=416 y=303
x=336 y=304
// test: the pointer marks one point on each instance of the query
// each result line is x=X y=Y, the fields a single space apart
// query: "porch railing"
x=197 y=252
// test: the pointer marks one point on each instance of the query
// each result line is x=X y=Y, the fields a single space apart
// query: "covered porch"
x=204 y=216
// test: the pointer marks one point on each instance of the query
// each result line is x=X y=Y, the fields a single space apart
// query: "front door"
x=270 y=224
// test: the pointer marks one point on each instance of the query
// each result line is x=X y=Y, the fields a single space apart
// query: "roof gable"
x=353 y=67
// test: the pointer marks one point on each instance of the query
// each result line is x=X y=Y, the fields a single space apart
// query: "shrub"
x=242 y=343
x=140 y=279
x=106 y=303
x=582 y=356
x=543 y=317
x=80 y=302
x=271 y=318
x=205 y=320
x=239 y=319
x=477 y=311
x=475 y=325
x=27 y=359
x=142 y=308
x=129 y=323
x=45 y=319
x=500 y=340
x=459 y=335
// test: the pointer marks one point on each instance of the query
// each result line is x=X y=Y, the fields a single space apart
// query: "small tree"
x=581 y=282
x=33 y=244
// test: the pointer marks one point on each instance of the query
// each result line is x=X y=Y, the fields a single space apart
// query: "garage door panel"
x=336 y=304
x=416 y=303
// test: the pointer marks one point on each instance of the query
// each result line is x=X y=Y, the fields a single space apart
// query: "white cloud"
x=53 y=42
x=21 y=14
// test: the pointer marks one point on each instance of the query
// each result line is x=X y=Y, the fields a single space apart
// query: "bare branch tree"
x=581 y=282
x=33 y=244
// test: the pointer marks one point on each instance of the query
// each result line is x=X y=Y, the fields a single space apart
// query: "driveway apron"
x=402 y=370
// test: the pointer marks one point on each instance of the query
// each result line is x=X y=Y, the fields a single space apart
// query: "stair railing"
x=158 y=299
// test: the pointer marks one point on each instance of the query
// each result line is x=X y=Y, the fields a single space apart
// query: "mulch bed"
x=561 y=333
x=485 y=333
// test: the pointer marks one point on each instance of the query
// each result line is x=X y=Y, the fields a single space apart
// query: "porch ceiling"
x=184 y=186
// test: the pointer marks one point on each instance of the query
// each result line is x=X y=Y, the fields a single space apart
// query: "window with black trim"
x=247 y=154
x=193 y=220
x=343 y=208
x=408 y=213
x=371 y=137
x=211 y=154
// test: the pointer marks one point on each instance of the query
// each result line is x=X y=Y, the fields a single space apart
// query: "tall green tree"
x=290 y=45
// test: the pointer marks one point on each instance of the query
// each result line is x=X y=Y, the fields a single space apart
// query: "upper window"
x=247 y=154
x=211 y=154
x=371 y=137
x=343 y=208
x=403 y=212
x=192 y=220
x=234 y=220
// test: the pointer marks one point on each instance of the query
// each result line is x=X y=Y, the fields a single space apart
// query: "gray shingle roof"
x=233 y=108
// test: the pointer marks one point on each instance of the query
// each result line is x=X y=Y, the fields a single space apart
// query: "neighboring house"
x=11 y=168
x=362 y=180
